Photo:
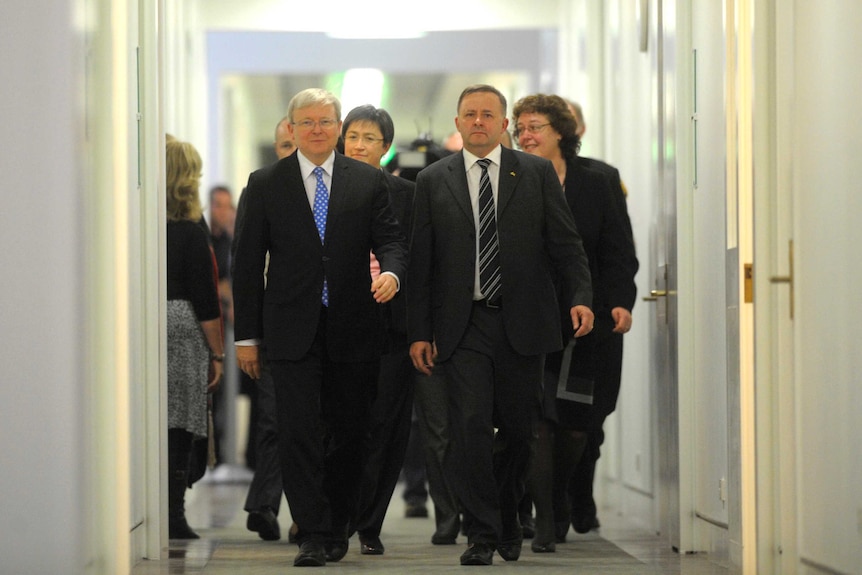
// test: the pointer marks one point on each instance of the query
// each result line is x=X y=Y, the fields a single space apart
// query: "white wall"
x=43 y=395
x=72 y=321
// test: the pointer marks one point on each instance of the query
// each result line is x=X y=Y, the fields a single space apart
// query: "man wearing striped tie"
x=492 y=237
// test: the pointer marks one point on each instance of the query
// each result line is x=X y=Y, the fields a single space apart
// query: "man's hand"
x=622 y=319
x=248 y=360
x=384 y=288
x=423 y=353
x=582 y=320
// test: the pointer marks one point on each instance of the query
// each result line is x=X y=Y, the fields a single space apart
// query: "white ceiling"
x=440 y=15
x=423 y=89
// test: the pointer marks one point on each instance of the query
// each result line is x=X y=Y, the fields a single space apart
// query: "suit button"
x=326 y=258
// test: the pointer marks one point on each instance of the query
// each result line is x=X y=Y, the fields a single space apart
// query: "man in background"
x=284 y=145
x=583 y=506
x=265 y=492
x=222 y=214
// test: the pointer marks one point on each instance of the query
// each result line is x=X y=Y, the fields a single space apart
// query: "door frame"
x=776 y=446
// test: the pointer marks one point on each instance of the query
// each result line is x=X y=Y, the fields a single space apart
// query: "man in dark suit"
x=611 y=173
x=482 y=307
x=367 y=134
x=318 y=214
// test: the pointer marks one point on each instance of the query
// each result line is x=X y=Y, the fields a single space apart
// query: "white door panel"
x=827 y=280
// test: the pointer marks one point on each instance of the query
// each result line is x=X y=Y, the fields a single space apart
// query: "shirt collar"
x=306 y=166
x=494 y=156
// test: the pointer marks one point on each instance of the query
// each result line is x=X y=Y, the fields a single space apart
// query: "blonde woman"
x=195 y=348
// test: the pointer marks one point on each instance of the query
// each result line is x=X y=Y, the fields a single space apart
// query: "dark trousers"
x=387 y=439
x=432 y=419
x=415 y=479
x=318 y=398
x=580 y=488
x=266 y=486
x=490 y=384
x=609 y=353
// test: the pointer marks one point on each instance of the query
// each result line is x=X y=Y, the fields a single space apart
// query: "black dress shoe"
x=336 y=549
x=510 y=550
x=478 y=554
x=178 y=528
x=371 y=546
x=265 y=523
x=584 y=523
x=311 y=554
x=539 y=547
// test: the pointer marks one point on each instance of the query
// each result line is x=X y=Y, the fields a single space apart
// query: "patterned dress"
x=192 y=298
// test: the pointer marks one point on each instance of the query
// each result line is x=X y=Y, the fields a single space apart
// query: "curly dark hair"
x=559 y=115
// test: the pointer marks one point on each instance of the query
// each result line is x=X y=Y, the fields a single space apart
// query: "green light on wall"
x=358 y=86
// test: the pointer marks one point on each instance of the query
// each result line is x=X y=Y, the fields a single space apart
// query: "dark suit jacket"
x=538 y=241
x=613 y=176
x=401 y=197
x=606 y=237
x=279 y=220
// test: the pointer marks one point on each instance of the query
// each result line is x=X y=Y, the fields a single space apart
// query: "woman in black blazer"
x=545 y=127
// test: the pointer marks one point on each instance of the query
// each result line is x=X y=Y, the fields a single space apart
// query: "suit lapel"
x=457 y=182
x=338 y=191
x=509 y=178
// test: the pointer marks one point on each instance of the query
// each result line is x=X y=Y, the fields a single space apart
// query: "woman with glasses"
x=544 y=126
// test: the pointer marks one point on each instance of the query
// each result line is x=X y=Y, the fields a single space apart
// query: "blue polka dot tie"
x=321 y=204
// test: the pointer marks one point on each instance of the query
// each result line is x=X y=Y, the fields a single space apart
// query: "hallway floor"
x=215 y=511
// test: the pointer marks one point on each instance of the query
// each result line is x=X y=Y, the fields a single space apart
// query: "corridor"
x=227 y=548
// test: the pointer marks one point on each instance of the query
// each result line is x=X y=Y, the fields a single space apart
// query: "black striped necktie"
x=489 y=247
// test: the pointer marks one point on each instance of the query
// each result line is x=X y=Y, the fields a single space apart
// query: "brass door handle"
x=654 y=294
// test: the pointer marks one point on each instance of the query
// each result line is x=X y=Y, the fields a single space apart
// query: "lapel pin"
x=512 y=173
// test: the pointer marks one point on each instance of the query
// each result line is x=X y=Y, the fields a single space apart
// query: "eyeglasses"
x=325 y=124
x=356 y=138
x=532 y=129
